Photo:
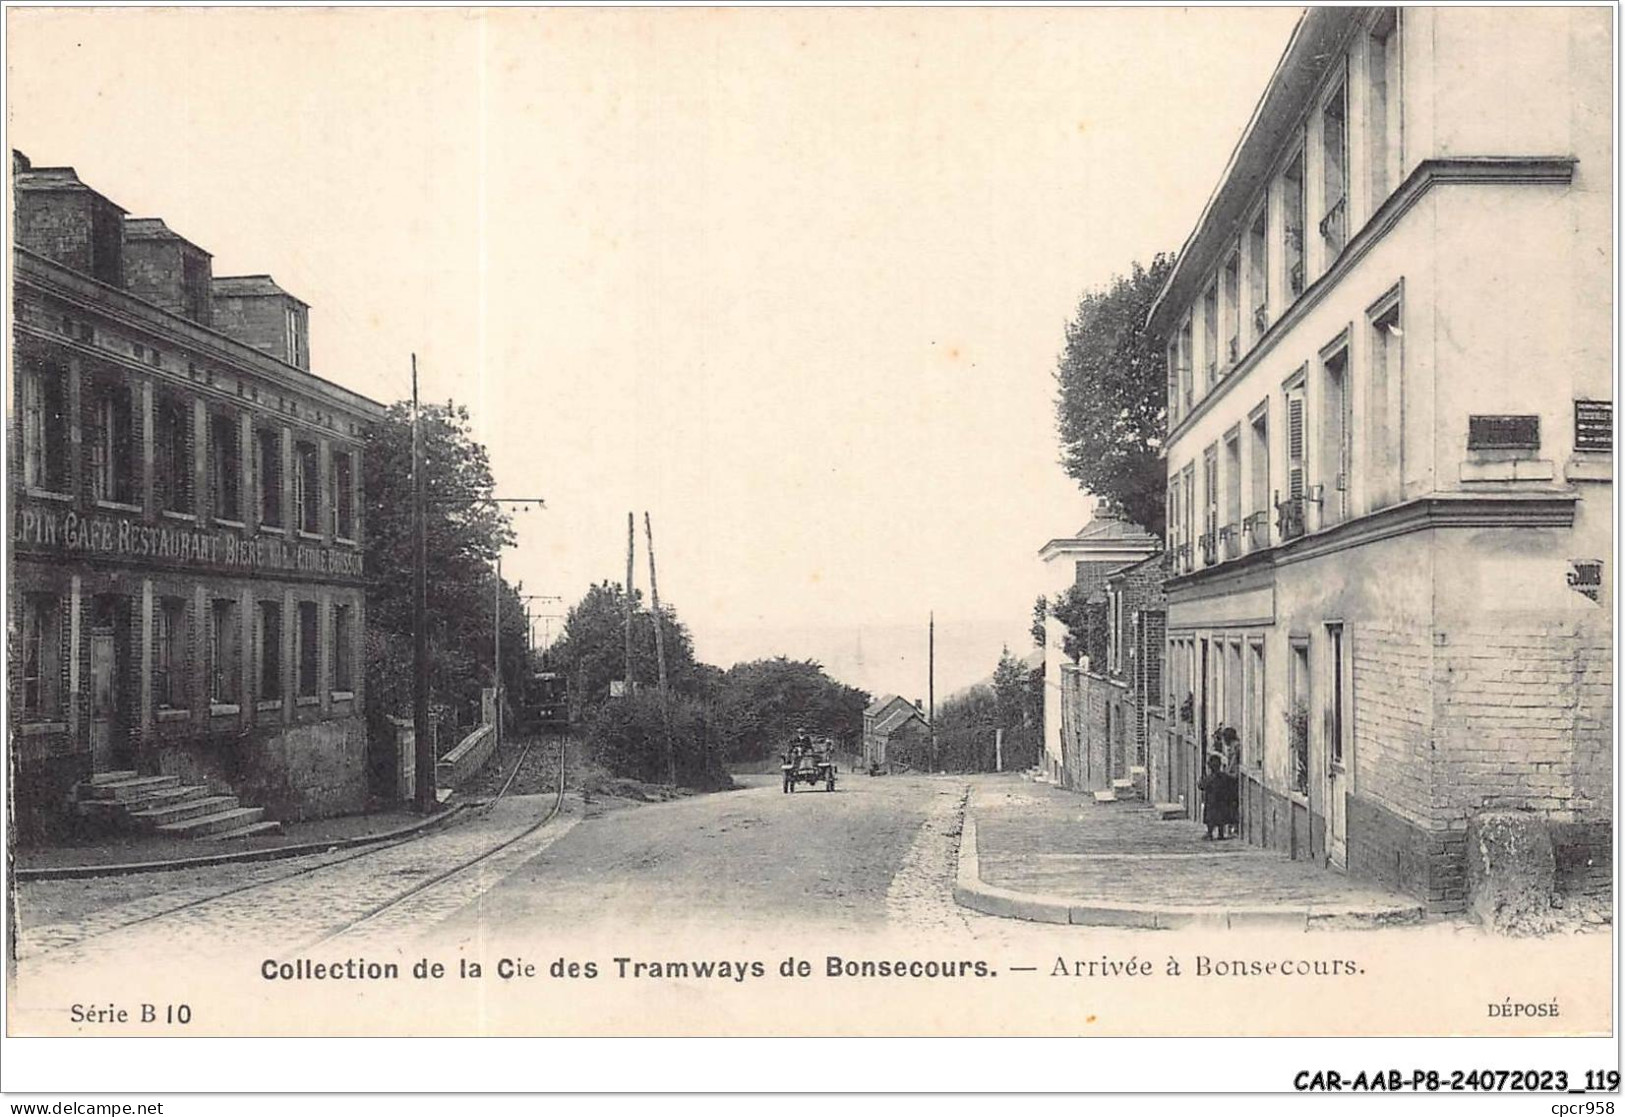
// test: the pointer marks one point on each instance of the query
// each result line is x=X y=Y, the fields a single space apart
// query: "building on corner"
x=1390 y=457
x=186 y=585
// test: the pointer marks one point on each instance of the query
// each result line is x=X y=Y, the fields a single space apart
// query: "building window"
x=1297 y=719
x=343 y=495
x=1384 y=467
x=1382 y=104
x=307 y=487
x=1292 y=211
x=309 y=650
x=1187 y=359
x=170 y=659
x=1230 y=531
x=270 y=650
x=1335 y=166
x=1210 y=332
x=1254 y=730
x=112 y=449
x=1188 y=485
x=1173 y=383
x=41 y=666
x=1334 y=442
x=45 y=429
x=1290 y=511
x=225 y=468
x=1210 y=517
x=296 y=337
x=341 y=648
x=1174 y=522
x=1230 y=280
x=1258 y=522
x=1258 y=271
x=268 y=466
x=172 y=456
x=223 y=651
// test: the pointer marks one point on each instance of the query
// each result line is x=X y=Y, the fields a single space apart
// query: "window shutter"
x=33 y=430
x=1294 y=445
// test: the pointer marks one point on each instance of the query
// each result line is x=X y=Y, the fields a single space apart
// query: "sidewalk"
x=133 y=853
x=1032 y=851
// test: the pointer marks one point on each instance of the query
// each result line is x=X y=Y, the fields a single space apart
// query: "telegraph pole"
x=931 y=685
x=631 y=541
x=423 y=749
x=496 y=655
x=660 y=654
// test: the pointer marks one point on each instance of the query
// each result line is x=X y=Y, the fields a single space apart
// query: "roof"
x=1106 y=531
x=897 y=718
x=54 y=178
x=880 y=704
x=153 y=228
x=1308 y=52
x=249 y=286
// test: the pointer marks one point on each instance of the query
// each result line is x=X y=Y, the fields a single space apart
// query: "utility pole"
x=423 y=749
x=631 y=541
x=931 y=685
x=660 y=654
x=496 y=655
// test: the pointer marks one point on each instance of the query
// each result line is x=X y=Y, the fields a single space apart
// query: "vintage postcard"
x=645 y=522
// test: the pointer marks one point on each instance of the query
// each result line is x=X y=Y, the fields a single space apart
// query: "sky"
x=793 y=281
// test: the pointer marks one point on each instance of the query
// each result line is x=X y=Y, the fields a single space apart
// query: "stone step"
x=1123 y=785
x=126 y=789
x=156 y=797
x=112 y=777
x=204 y=825
x=1166 y=811
x=1105 y=796
x=269 y=826
x=186 y=808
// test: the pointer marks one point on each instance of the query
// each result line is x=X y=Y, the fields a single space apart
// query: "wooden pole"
x=496 y=655
x=631 y=541
x=931 y=686
x=423 y=750
x=660 y=654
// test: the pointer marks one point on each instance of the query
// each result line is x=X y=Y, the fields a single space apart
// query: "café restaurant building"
x=186 y=587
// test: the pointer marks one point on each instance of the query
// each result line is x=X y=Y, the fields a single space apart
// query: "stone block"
x=1511 y=870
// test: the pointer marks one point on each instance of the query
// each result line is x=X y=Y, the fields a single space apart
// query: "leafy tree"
x=1111 y=407
x=628 y=737
x=968 y=723
x=591 y=651
x=1085 y=618
x=1038 y=631
x=464 y=533
x=762 y=703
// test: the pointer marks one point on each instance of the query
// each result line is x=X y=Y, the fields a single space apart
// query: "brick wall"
x=76 y=228
x=1392 y=717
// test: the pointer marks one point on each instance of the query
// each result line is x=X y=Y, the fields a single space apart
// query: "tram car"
x=547 y=702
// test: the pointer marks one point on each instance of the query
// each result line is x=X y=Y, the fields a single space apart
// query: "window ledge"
x=40 y=728
x=342 y=695
x=273 y=529
x=313 y=536
x=344 y=539
x=307 y=700
x=171 y=514
x=173 y=713
x=118 y=506
x=49 y=494
x=268 y=704
x=220 y=709
x=222 y=521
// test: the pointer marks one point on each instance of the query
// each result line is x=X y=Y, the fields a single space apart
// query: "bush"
x=627 y=736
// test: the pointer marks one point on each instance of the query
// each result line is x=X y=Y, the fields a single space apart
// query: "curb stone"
x=274 y=853
x=972 y=892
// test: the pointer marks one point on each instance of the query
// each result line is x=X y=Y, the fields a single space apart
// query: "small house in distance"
x=895 y=735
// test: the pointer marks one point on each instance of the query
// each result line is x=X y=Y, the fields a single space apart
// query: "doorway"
x=1339 y=747
x=109 y=661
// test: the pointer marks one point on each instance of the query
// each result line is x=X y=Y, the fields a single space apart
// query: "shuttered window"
x=1294 y=443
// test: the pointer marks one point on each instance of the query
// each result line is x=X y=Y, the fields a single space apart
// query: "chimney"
x=167 y=269
x=62 y=219
x=252 y=309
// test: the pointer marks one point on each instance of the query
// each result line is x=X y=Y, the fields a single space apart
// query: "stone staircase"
x=132 y=803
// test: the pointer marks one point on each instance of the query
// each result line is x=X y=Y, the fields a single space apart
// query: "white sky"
x=792 y=280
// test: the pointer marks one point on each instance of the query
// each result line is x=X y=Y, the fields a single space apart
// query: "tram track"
x=240 y=892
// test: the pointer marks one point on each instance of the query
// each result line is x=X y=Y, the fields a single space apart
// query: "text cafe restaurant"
x=186 y=589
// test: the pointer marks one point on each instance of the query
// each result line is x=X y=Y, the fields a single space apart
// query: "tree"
x=591 y=651
x=1039 y=631
x=464 y=533
x=1085 y=618
x=1111 y=407
x=761 y=704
